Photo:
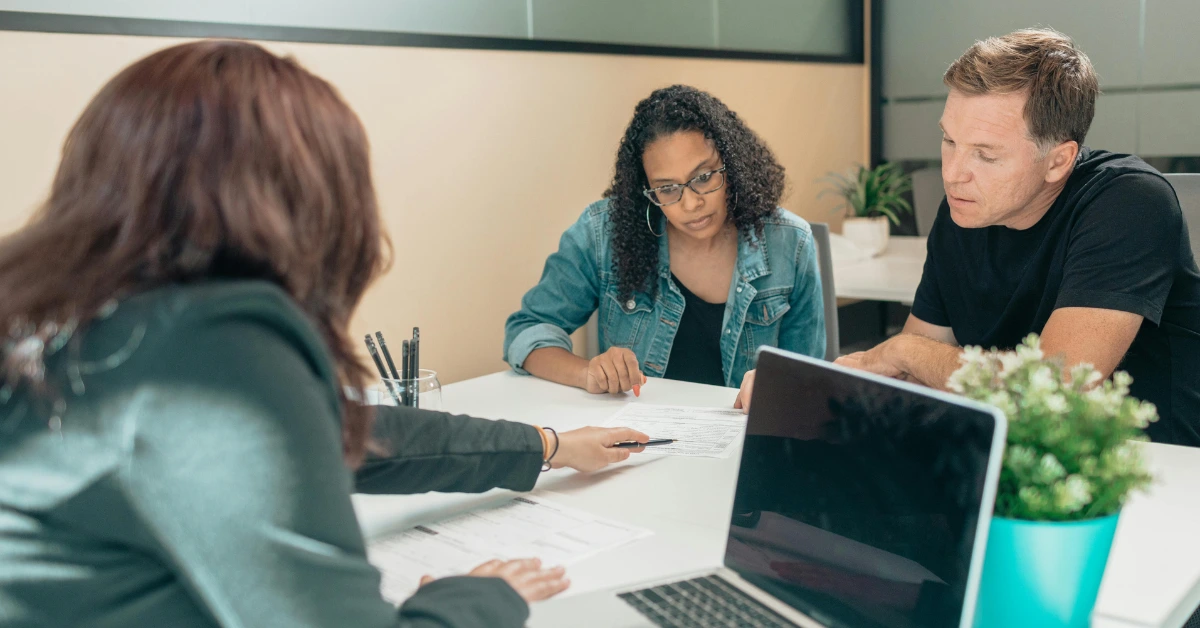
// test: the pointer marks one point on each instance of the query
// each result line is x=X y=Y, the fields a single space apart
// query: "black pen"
x=379 y=365
x=416 y=367
x=387 y=356
x=631 y=444
x=405 y=357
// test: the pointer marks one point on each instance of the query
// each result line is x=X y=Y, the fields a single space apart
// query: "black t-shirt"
x=1114 y=239
x=696 y=352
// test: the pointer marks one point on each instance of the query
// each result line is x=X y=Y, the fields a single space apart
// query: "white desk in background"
x=1153 y=577
x=892 y=276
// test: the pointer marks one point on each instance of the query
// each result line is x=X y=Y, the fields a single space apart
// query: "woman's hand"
x=591 y=448
x=525 y=576
x=743 y=397
x=614 y=371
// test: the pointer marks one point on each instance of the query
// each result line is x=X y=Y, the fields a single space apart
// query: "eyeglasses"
x=706 y=183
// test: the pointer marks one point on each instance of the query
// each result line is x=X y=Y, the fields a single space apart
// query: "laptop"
x=861 y=502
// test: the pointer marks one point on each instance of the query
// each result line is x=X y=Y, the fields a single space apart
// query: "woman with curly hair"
x=688 y=259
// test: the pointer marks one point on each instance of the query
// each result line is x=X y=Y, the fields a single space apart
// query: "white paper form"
x=526 y=527
x=700 y=432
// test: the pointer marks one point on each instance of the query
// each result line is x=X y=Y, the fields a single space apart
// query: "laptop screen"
x=857 y=502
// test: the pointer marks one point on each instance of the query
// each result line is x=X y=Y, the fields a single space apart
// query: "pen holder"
x=426 y=388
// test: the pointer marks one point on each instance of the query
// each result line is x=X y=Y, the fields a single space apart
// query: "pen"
x=416 y=367
x=405 y=363
x=379 y=365
x=387 y=355
x=629 y=444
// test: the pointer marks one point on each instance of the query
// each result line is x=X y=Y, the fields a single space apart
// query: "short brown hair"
x=207 y=159
x=1058 y=77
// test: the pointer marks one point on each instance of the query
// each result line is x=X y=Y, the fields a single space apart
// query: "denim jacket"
x=774 y=299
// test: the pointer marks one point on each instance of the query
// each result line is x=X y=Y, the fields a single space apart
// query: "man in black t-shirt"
x=1038 y=233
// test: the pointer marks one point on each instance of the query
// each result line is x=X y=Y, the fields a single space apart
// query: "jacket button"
x=739 y=289
x=630 y=304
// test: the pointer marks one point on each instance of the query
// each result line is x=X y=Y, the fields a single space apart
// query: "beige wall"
x=482 y=158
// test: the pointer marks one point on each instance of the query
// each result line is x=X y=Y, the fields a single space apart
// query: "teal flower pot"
x=1039 y=574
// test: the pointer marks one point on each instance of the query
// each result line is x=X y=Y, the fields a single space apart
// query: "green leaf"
x=867 y=192
x=890 y=215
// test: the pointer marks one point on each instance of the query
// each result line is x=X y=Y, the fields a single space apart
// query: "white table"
x=649 y=491
x=1153 y=578
x=892 y=276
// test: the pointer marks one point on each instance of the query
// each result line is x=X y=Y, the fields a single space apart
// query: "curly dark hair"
x=754 y=180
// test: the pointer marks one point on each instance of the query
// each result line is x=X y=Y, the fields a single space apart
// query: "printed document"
x=699 y=432
x=526 y=527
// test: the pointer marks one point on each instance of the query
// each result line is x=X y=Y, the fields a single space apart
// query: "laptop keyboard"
x=702 y=603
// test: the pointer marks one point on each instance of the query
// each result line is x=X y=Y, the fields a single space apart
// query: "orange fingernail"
x=637 y=390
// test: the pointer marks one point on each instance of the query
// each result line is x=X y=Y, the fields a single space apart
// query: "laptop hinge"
x=767 y=600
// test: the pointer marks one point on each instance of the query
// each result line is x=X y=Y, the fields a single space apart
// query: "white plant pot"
x=869 y=234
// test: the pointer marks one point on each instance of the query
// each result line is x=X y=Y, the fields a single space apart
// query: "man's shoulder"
x=1099 y=160
x=1123 y=187
x=1106 y=170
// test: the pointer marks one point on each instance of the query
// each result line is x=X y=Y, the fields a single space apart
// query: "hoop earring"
x=657 y=235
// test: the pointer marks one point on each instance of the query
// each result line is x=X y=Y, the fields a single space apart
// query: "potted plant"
x=1069 y=465
x=872 y=198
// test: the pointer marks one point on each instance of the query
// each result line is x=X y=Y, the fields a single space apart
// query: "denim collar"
x=751 y=259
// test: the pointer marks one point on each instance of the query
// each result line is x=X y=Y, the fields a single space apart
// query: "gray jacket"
x=196 y=479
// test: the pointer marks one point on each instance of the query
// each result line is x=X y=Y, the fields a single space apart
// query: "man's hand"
x=882 y=360
x=923 y=354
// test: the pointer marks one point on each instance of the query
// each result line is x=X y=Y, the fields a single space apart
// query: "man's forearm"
x=924 y=360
